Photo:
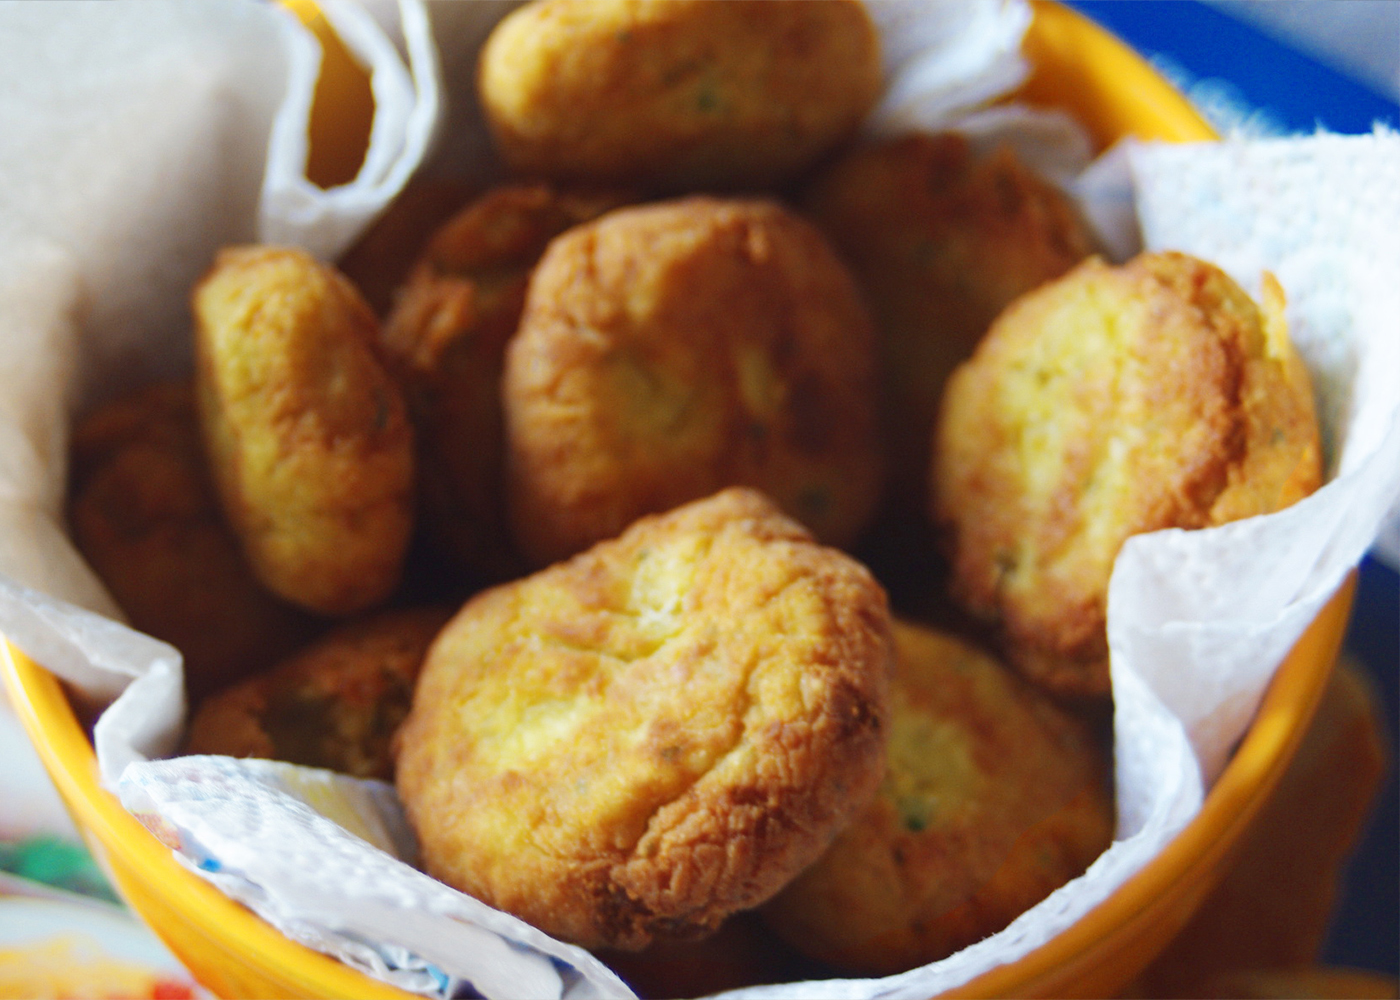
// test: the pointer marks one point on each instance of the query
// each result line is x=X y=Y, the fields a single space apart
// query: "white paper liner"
x=295 y=211
x=339 y=891
x=944 y=58
x=1197 y=621
x=1321 y=213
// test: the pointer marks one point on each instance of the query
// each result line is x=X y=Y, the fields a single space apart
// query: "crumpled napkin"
x=334 y=883
x=1197 y=621
x=406 y=113
x=1322 y=213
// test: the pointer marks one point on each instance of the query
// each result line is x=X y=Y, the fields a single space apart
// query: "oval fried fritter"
x=677 y=94
x=335 y=704
x=940 y=241
x=445 y=341
x=144 y=514
x=1113 y=401
x=635 y=743
x=307 y=434
x=672 y=349
x=993 y=798
x=381 y=260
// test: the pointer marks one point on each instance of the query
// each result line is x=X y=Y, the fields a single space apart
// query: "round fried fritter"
x=335 y=704
x=672 y=349
x=940 y=241
x=144 y=514
x=1113 y=401
x=994 y=796
x=637 y=742
x=445 y=341
x=677 y=94
x=382 y=259
x=307 y=434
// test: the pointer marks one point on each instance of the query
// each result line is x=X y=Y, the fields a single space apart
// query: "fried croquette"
x=382 y=259
x=307 y=434
x=445 y=340
x=940 y=241
x=635 y=743
x=994 y=796
x=144 y=514
x=678 y=94
x=335 y=704
x=671 y=349
x=1113 y=401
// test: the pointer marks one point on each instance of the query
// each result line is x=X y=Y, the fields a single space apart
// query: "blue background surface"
x=1246 y=81
x=1292 y=91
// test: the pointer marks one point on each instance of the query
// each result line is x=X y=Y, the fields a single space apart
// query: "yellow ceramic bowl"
x=234 y=954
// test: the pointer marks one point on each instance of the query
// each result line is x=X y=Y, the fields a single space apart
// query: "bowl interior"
x=1078 y=67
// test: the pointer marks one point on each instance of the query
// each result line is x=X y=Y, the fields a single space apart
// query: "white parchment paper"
x=140 y=138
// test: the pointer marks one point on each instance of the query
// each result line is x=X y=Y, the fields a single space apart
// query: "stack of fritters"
x=445 y=341
x=672 y=362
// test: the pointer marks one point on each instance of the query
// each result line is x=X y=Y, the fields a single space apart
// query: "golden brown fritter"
x=677 y=94
x=672 y=349
x=144 y=514
x=940 y=241
x=993 y=797
x=1113 y=401
x=384 y=256
x=634 y=744
x=445 y=341
x=307 y=434
x=335 y=704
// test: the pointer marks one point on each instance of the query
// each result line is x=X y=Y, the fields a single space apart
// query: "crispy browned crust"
x=657 y=733
x=144 y=514
x=384 y=256
x=307 y=434
x=336 y=704
x=941 y=242
x=445 y=341
x=1114 y=401
x=672 y=349
x=677 y=94
x=993 y=798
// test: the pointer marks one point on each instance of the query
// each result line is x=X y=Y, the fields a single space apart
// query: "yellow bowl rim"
x=42 y=706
